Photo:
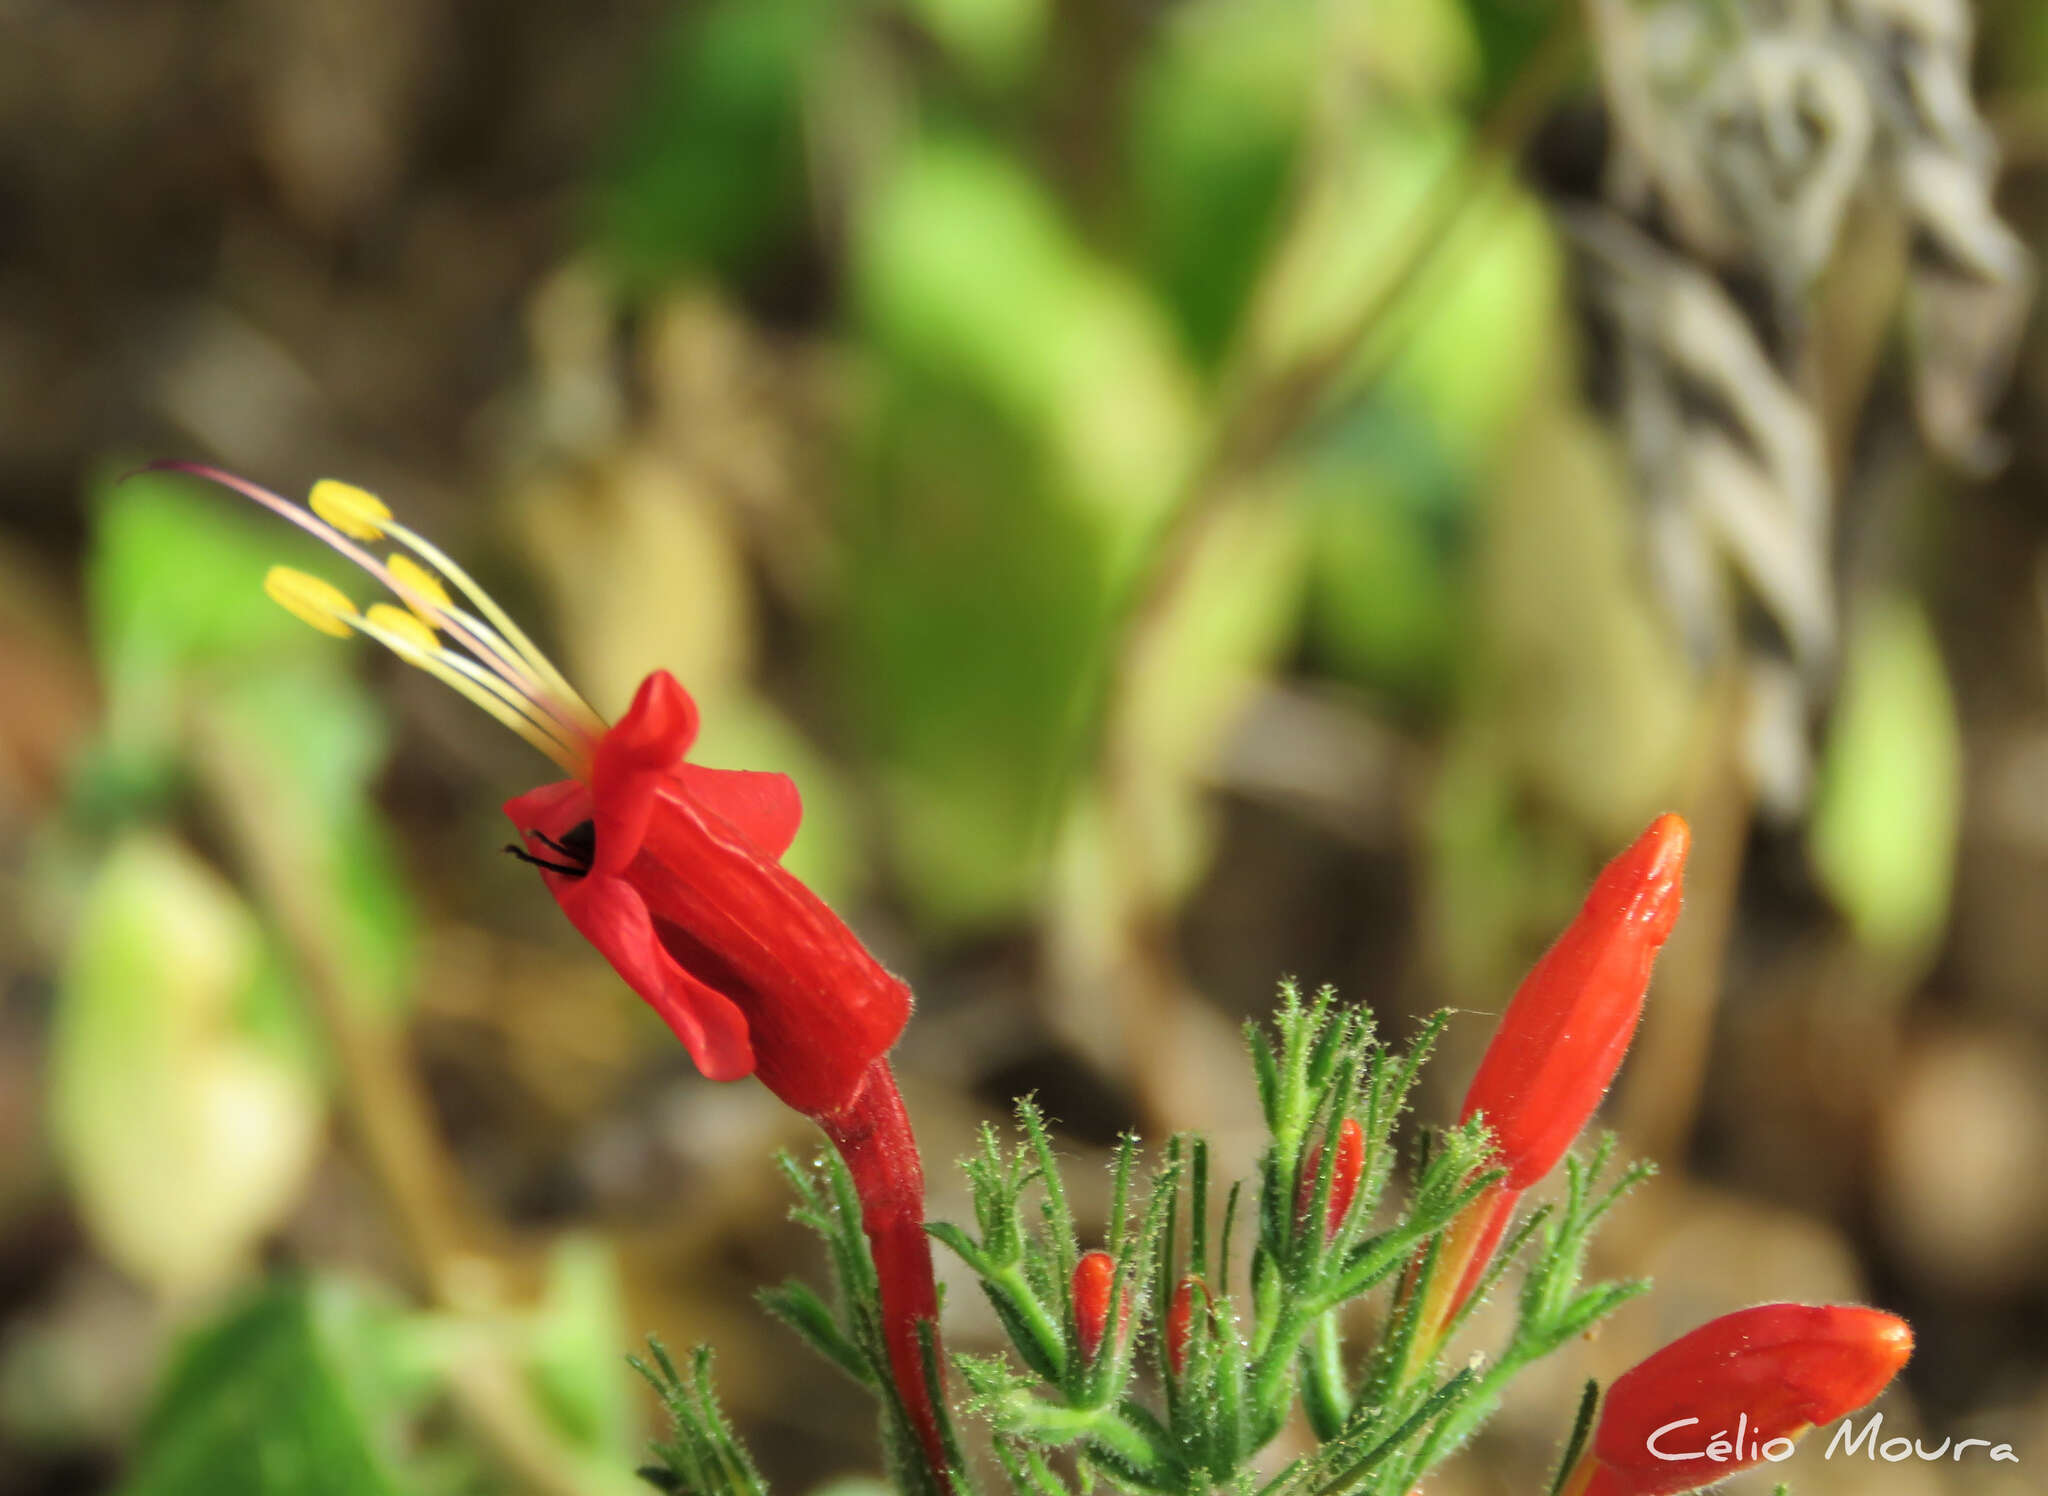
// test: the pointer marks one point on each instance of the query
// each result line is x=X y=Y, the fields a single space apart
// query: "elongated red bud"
x=1558 y=1047
x=1094 y=1286
x=1735 y=1392
x=1562 y=1038
x=1344 y=1174
x=1180 y=1318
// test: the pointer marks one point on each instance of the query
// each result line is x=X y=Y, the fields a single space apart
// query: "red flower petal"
x=633 y=760
x=819 y=1007
x=551 y=809
x=613 y=917
x=764 y=808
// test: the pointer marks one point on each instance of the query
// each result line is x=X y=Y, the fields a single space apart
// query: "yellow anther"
x=411 y=574
x=354 y=511
x=404 y=627
x=306 y=597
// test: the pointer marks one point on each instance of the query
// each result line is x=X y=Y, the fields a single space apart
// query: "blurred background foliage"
x=1194 y=492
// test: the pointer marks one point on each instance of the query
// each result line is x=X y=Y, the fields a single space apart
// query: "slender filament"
x=503 y=672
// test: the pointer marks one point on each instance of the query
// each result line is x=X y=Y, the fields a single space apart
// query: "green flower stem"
x=1326 y=1390
x=1472 y=1409
x=1269 y=1372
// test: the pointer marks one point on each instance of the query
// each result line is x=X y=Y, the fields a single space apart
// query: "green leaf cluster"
x=1186 y=1397
x=1207 y=1346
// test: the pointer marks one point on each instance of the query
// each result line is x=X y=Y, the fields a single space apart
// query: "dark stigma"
x=577 y=847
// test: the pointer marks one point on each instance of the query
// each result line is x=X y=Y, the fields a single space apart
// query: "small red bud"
x=1094 y=1285
x=1180 y=1317
x=1350 y=1163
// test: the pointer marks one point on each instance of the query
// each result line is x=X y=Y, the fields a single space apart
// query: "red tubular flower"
x=1344 y=1174
x=1736 y=1392
x=1559 y=1045
x=1094 y=1286
x=673 y=871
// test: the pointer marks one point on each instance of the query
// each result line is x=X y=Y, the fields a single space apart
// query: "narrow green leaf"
x=1582 y=1429
x=799 y=1307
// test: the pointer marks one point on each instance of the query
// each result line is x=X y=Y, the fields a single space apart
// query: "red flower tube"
x=1736 y=1392
x=1559 y=1045
x=673 y=871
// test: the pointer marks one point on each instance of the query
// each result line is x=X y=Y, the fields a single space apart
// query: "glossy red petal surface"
x=764 y=808
x=612 y=916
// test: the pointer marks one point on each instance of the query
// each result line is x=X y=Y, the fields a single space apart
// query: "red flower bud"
x=1180 y=1317
x=1563 y=1036
x=1344 y=1172
x=1094 y=1285
x=1558 y=1046
x=1747 y=1380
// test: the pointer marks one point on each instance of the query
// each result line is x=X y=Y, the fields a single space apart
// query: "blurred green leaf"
x=175 y=576
x=1426 y=49
x=976 y=604
x=1359 y=223
x=303 y=749
x=1217 y=116
x=575 y=1359
x=997 y=40
x=1889 y=796
x=1507 y=32
x=1469 y=268
x=174 y=583
x=198 y=661
x=184 y=1105
x=709 y=167
x=966 y=273
x=1485 y=337
x=1390 y=509
x=1031 y=423
x=277 y=1398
